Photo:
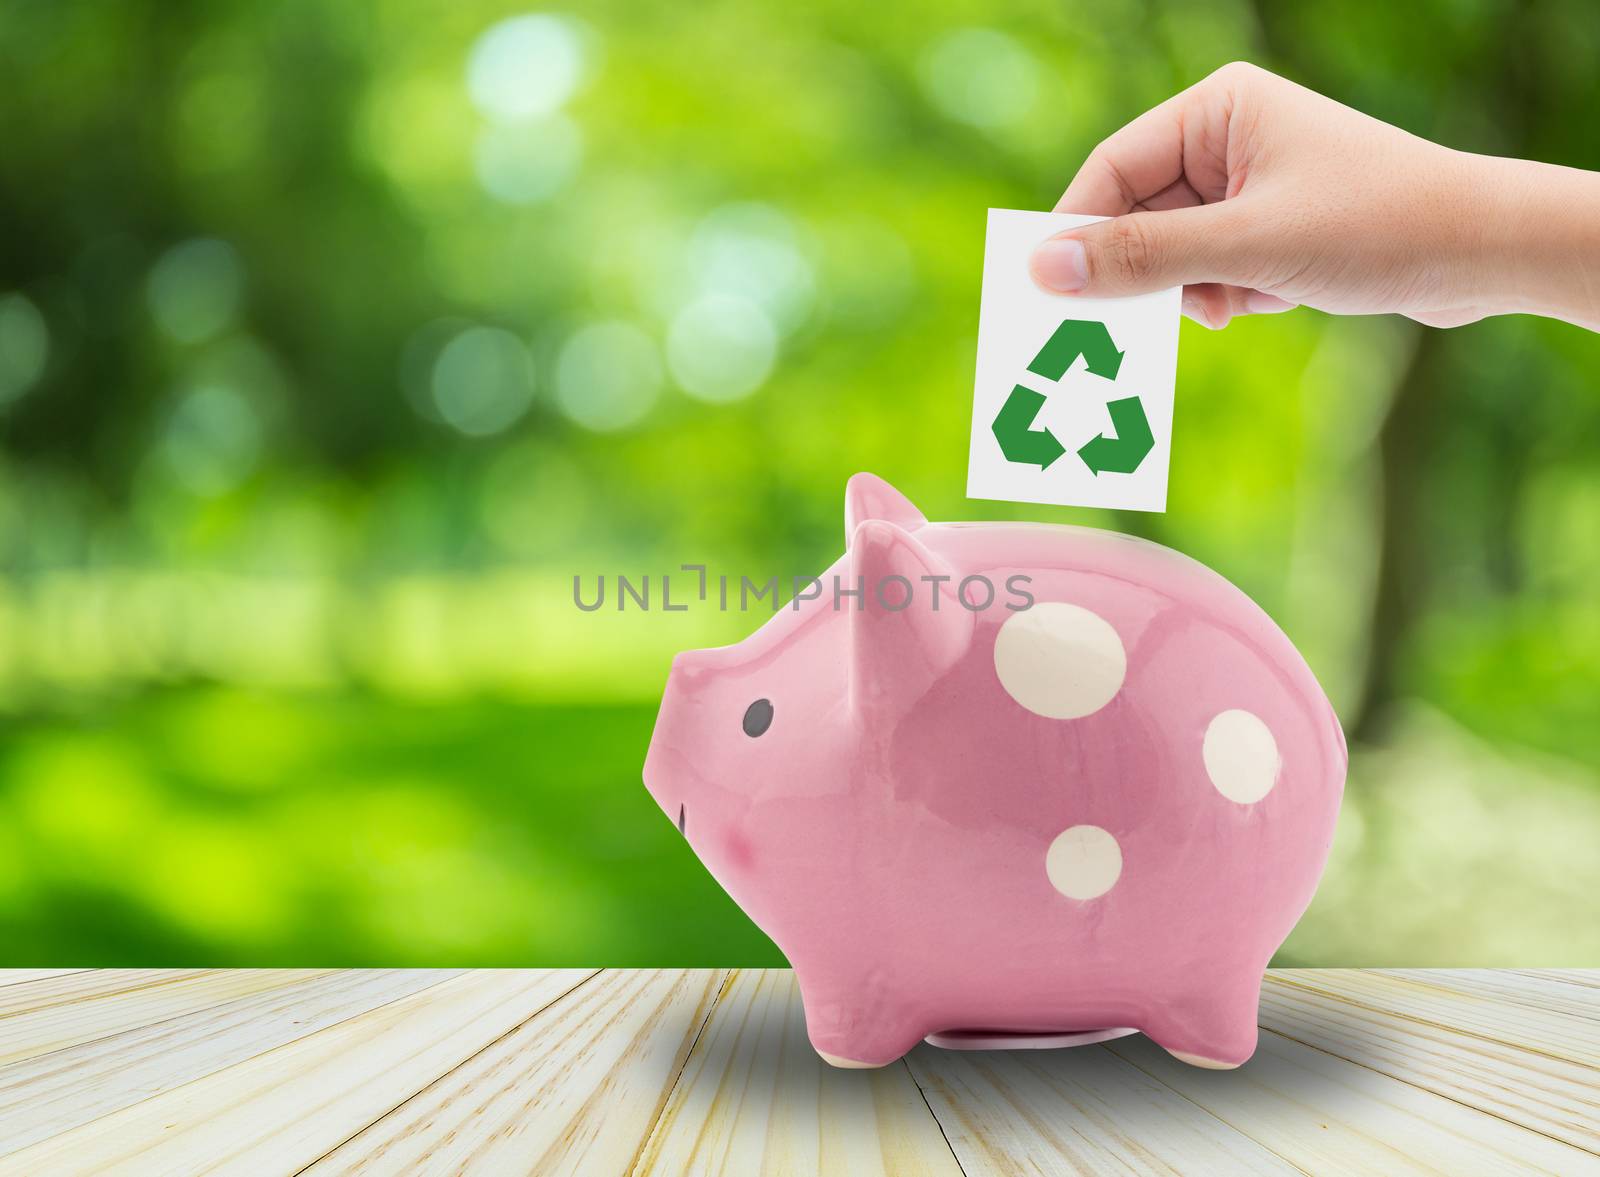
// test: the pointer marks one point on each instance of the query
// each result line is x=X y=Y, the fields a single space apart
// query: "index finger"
x=1133 y=164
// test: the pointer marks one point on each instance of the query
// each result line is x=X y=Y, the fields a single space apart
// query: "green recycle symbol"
x=1119 y=453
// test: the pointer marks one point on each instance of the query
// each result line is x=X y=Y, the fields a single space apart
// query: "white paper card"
x=1073 y=397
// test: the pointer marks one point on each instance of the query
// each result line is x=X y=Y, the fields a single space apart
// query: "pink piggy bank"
x=1009 y=783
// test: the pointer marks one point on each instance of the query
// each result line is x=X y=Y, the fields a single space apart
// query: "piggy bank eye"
x=757 y=717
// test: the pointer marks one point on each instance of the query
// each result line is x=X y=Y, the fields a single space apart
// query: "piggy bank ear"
x=909 y=628
x=866 y=496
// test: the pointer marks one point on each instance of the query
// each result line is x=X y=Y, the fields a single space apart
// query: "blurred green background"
x=336 y=338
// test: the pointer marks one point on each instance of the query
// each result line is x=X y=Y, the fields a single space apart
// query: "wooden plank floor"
x=581 y=1071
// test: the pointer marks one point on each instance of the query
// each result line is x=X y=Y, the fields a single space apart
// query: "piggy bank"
x=1008 y=784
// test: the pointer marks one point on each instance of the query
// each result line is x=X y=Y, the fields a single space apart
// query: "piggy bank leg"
x=1212 y=1027
x=856 y=1028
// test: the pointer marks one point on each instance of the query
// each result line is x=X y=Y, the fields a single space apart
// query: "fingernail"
x=1060 y=264
x=1259 y=303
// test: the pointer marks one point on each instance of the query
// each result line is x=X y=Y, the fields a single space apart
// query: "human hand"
x=1258 y=195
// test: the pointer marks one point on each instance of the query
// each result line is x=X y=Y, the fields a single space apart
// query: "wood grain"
x=1543 y=995
x=160 y=1073
x=1549 y=1095
x=1326 y=1114
x=754 y=1098
x=47 y=988
x=1586 y=977
x=282 y=1110
x=573 y=1090
x=18 y=976
x=1552 y=1031
x=49 y=1094
x=60 y=1020
x=1083 y=1110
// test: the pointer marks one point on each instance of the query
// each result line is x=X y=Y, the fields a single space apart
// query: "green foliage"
x=229 y=827
x=332 y=348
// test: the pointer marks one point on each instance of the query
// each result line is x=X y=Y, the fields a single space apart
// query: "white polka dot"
x=1083 y=862
x=1241 y=756
x=1060 y=661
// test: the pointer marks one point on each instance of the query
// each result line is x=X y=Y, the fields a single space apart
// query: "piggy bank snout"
x=656 y=757
x=664 y=767
x=671 y=781
x=659 y=780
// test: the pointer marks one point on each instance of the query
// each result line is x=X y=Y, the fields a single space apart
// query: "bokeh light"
x=213 y=439
x=526 y=66
x=608 y=375
x=24 y=346
x=721 y=348
x=418 y=356
x=195 y=288
x=981 y=76
x=753 y=251
x=524 y=163
x=482 y=381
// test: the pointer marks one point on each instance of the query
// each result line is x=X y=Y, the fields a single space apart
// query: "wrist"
x=1540 y=239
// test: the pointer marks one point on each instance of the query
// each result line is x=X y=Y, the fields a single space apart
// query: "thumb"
x=1146 y=251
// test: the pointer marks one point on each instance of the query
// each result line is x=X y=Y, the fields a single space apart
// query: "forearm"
x=1541 y=238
